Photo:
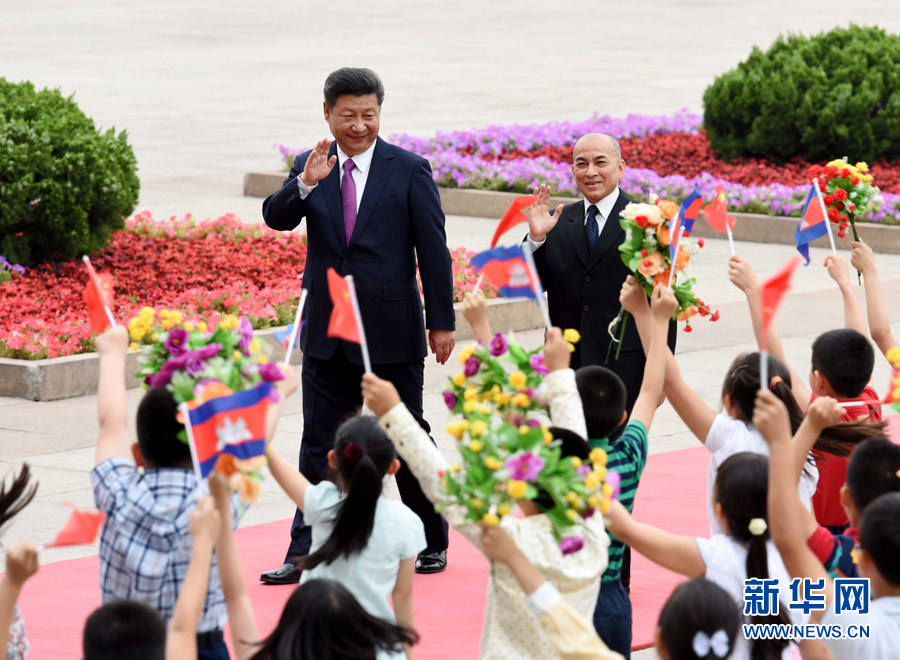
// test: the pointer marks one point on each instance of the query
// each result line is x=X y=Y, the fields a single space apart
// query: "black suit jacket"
x=399 y=219
x=583 y=290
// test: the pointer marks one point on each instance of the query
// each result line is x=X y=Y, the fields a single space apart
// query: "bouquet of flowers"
x=646 y=253
x=197 y=363
x=507 y=455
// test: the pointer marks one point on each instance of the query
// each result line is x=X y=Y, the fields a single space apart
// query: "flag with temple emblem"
x=98 y=295
x=342 y=323
x=514 y=215
x=772 y=291
x=813 y=223
x=506 y=269
x=234 y=424
x=690 y=209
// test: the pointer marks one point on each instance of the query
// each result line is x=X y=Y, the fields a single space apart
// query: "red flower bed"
x=690 y=155
x=205 y=269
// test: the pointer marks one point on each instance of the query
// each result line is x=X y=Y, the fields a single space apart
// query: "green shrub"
x=822 y=97
x=64 y=185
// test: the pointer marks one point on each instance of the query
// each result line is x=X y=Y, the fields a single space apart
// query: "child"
x=699 y=621
x=124 y=630
x=879 y=540
x=842 y=362
x=603 y=396
x=863 y=260
x=474 y=310
x=21 y=564
x=366 y=542
x=145 y=547
x=506 y=632
x=742 y=551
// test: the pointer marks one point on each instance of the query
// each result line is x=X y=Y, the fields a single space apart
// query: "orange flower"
x=662 y=234
x=686 y=314
x=211 y=391
x=662 y=278
x=668 y=208
x=225 y=465
x=682 y=259
x=649 y=266
x=246 y=487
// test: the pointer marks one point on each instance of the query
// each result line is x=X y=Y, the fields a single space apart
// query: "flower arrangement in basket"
x=507 y=455
x=646 y=251
x=197 y=363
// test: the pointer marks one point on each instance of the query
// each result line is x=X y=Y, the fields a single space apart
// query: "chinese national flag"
x=514 y=215
x=342 y=323
x=98 y=295
x=716 y=212
x=772 y=291
x=80 y=529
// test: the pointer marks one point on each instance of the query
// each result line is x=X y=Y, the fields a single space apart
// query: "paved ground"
x=205 y=89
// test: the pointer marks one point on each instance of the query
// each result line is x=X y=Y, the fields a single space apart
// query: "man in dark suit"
x=576 y=251
x=373 y=216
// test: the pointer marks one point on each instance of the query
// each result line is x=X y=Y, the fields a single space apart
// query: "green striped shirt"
x=628 y=457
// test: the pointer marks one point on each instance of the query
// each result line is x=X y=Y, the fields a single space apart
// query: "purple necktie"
x=348 y=199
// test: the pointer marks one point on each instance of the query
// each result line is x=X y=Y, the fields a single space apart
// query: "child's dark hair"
x=603 y=397
x=872 y=471
x=323 y=621
x=879 y=535
x=363 y=453
x=742 y=383
x=697 y=606
x=17 y=496
x=124 y=630
x=571 y=444
x=158 y=429
x=846 y=359
x=742 y=485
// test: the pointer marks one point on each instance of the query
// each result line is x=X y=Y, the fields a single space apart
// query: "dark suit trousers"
x=331 y=395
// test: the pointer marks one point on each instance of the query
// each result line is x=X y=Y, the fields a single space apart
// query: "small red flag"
x=98 y=295
x=514 y=215
x=342 y=323
x=716 y=212
x=772 y=291
x=80 y=529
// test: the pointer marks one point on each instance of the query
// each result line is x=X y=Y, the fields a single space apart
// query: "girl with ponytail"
x=366 y=542
x=743 y=551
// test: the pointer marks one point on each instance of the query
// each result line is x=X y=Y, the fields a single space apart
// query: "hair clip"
x=734 y=373
x=774 y=381
x=702 y=644
x=352 y=452
x=758 y=526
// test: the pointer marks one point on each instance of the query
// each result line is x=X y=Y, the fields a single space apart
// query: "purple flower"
x=534 y=423
x=270 y=372
x=537 y=363
x=471 y=366
x=195 y=358
x=613 y=478
x=449 y=399
x=246 y=334
x=525 y=467
x=15 y=267
x=498 y=345
x=583 y=470
x=195 y=367
x=571 y=544
x=176 y=342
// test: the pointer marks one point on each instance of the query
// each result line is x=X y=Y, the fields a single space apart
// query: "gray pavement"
x=204 y=89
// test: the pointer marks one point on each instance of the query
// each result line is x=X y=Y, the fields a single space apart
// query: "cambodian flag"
x=233 y=424
x=284 y=336
x=813 y=223
x=507 y=270
x=690 y=209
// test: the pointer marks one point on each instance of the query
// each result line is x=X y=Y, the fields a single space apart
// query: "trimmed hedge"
x=822 y=97
x=64 y=185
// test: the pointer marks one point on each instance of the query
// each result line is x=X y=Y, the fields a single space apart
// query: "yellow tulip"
x=571 y=497
x=598 y=455
x=478 y=429
x=202 y=327
x=518 y=379
x=524 y=429
x=469 y=406
x=571 y=335
x=456 y=467
x=490 y=519
x=893 y=356
x=571 y=514
x=154 y=337
x=459 y=379
x=470 y=393
x=236 y=356
x=521 y=400
x=466 y=353
x=548 y=437
x=262 y=359
x=591 y=482
x=516 y=488
x=134 y=346
x=503 y=510
x=576 y=462
x=604 y=505
x=493 y=463
x=600 y=472
x=477 y=503
x=607 y=490
x=254 y=345
x=593 y=501
x=476 y=445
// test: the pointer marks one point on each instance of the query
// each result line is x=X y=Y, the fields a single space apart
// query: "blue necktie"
x=591 y=228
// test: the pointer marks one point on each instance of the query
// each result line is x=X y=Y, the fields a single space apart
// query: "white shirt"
x=604 y=208
x=883 y=620
x=726 y=565
x=360 y=173
x=728 y=436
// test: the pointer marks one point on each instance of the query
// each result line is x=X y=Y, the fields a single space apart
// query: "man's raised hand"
x=318 y=165
x=540 y=222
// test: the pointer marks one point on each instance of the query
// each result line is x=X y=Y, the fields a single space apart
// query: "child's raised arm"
x=402 y=598
x=474 y=309
x=691 y=408
x=566 y=409
x=742 y=276
x=672 y=551
x=21 y=564
x=837 y=269
x=662 y=306
x=285 y=387
x=181 y=636
x=788 y=519
x=863 y=259
x=112 y=404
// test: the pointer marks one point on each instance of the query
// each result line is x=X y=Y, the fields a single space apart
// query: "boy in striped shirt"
x=603 y=397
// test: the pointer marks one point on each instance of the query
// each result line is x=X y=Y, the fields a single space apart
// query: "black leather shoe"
x=433 y=562
x=287 y=574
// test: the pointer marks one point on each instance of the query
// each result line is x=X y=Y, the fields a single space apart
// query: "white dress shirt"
x=360 y=173
x=604 y=208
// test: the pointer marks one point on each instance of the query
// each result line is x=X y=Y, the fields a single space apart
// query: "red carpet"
x=449 y=606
